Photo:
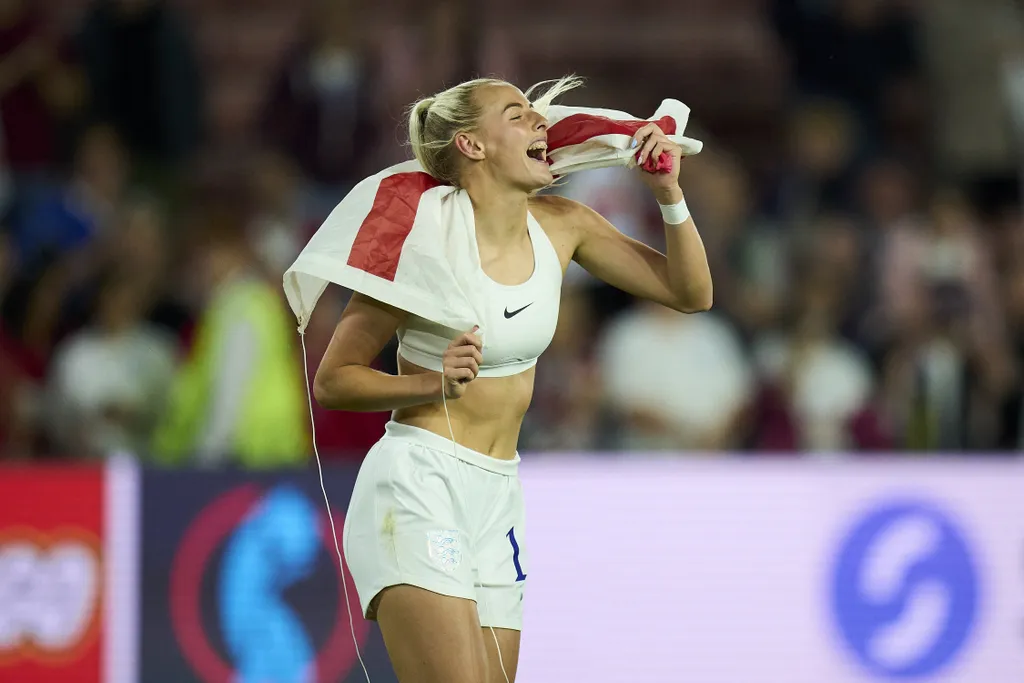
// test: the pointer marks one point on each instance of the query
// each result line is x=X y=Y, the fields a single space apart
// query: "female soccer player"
x=435 y=535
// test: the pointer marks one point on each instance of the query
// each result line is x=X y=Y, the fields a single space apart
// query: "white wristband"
x=675 y=214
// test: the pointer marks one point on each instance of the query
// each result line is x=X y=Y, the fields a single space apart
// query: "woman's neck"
x=500 y=213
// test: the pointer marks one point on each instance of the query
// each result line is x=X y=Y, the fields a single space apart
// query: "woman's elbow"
x=704 y=302
x=696 y=302
x=325 y=391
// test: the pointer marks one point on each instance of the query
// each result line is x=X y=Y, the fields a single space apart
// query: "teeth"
x=539 y=145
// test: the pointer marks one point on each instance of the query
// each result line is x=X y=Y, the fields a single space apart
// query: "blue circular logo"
x=905 y=590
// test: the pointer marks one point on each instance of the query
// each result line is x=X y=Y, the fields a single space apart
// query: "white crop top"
x=519 y=321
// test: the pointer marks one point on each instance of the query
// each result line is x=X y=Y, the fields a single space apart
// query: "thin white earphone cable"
x=444 y=402
x=330 y=517
x=501 y=662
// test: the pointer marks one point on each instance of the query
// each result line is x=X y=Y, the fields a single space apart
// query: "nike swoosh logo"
x=517 y=311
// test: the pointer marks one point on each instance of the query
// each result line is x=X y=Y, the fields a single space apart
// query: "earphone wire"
x=451 y=432
x=330 y=516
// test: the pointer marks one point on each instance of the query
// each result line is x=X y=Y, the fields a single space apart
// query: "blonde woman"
x=435 y=536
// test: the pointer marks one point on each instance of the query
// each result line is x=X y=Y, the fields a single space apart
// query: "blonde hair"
x=435 y=121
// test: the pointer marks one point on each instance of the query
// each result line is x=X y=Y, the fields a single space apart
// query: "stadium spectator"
x=138 y=249
x=747 y=252
x=675 y=381
x=141 y=248
x=73 y=216
x=944 y=382
x=108 y=382
x=940 y=257
x=239 y=398
x=887 y=195
x=320 y=108
x=820 y=384
x=823 y=137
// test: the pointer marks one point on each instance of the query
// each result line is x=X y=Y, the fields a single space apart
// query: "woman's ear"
x=469 y=146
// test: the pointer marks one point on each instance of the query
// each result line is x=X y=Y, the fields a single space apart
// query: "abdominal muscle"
x=486 y=419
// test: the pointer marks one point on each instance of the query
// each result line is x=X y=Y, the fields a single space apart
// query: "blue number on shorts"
x=520 y=576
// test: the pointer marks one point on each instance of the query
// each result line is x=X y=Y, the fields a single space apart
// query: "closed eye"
x=514 y=106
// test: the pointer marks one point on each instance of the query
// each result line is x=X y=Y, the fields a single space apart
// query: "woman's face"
x=510 y=138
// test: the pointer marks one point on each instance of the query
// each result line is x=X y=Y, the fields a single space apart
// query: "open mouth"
x=538 y=151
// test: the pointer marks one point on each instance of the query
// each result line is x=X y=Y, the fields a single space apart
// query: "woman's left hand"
x=651 y=143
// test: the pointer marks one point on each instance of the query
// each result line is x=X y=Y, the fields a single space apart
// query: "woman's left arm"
x=679 y=279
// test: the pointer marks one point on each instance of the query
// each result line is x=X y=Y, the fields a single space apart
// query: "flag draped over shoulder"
x=408 y=240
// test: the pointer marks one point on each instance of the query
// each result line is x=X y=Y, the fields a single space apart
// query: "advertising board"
x=693 y=570
x=653 y=569
x=52 y=588
x=240 y=581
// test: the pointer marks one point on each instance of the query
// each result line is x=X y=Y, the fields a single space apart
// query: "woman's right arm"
x=345 y=380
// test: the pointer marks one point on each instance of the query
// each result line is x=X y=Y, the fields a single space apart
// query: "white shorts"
x=454 y=525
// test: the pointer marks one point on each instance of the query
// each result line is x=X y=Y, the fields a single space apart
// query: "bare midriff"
x=486 y=419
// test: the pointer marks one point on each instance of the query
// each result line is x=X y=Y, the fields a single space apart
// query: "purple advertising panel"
x=240 y=581
x=647 y=569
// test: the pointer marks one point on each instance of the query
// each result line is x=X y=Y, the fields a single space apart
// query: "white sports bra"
x=519 y=321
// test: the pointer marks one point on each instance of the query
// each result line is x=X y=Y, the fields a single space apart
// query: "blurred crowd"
x=163 y=161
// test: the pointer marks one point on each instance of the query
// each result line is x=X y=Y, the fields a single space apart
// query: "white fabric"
x=675 y=214
x=438 y=277
x=521 y=318
x=690 y=371
x=96 y=373
x=613 y=149
x=421 y=516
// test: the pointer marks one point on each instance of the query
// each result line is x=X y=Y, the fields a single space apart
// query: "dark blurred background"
x=859 y=197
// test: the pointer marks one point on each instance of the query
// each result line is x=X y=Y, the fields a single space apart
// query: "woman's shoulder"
x=554 y=205
x=555 y=212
